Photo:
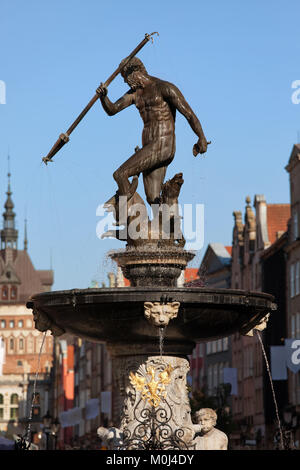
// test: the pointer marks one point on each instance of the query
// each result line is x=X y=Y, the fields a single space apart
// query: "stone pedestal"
x=155 y=410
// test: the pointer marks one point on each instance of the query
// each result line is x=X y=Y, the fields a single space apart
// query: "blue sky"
x=233 y=61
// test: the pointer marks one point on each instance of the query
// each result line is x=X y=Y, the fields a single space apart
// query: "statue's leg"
x=153 y=181
x=151 y=156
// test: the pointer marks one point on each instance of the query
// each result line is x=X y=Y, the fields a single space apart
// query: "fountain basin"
x=116 y=315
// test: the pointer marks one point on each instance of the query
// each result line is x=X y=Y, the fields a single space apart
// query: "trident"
x=64 y=138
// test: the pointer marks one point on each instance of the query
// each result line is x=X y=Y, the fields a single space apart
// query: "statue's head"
x=207 y=418
x=133 y=72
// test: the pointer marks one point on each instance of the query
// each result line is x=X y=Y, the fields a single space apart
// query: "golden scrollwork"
x=154 y=389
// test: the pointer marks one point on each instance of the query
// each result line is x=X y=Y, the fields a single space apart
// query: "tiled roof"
x=220 y=251
x=190 y=274
x=229 y=249
x=277 y=219
x=32 y=280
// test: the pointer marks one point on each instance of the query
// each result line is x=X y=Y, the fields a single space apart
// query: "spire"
x=25 y=235
x=9 y=234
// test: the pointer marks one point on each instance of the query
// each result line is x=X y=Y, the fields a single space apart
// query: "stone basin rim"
x=184 y=294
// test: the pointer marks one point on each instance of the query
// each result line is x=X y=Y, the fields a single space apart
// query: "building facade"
x=293 y=270
x=22 y=342
x=209 y=359
x=261 y=228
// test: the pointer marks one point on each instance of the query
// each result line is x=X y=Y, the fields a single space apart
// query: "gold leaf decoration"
x=155 y=388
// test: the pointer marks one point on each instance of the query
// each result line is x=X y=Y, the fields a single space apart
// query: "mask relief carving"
x=159 y=314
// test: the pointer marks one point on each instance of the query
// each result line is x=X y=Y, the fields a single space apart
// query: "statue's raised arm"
x=114 y=108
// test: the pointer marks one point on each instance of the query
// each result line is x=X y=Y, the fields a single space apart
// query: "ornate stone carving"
x=163 y=230
x=207 y=437
x=261 y=325
x=156 y=408
x=159 y=314
x=44 y=323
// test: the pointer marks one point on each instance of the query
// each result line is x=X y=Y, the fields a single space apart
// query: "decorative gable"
x=9 y=275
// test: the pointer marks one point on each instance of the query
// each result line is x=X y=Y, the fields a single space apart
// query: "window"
x=19 y=363
x=1 y=399
x=292 y=280
x=221 y=375
x=295 y=224
x=13 y=293
x=30 y=344
x=219 y=345
x=293 y=326
x=225 y=344
x=297 y=286
x=209 y=379
x=298 y=326
x=4 y=293
x=11 y=344
x=215 y=376
x=208 y=347
x=3 y=323
x=11 y=324
x=21 y=343
x=14 y=412
x=14 y=399
x=20 y=323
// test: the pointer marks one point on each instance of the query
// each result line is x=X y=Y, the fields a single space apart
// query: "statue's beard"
x=133 y=82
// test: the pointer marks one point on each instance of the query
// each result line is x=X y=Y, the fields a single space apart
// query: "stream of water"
x=28 y=432
x=161 y=333
x=273 y=391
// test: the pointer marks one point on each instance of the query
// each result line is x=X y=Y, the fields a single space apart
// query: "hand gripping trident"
x=64 y=138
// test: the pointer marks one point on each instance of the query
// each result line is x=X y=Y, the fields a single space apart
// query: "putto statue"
x=207 y=437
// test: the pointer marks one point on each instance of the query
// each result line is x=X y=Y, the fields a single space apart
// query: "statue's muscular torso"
x=157 y=114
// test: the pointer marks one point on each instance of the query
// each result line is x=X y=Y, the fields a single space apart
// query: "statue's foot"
x=113 y=201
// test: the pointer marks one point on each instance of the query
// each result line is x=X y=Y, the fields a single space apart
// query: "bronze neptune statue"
x=157 y=102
